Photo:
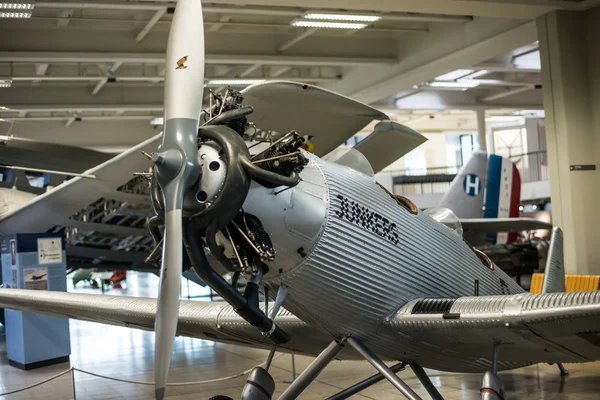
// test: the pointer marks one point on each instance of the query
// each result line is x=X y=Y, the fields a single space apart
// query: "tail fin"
x=554 y=275
x=502 y=194
x=465 y=196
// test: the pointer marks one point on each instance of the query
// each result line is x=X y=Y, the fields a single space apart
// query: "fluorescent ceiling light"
x=531 y=113
x=342 y=17
x=235 y=82
x=5 y=82
x=476 y=74
x=324 y=24
x=451 y=85
x=505 y=118
x=18 y=6
x=15 y=14
x=450 y=76
x=157 y=121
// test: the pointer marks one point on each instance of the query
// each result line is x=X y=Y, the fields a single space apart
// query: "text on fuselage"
x=370 y=220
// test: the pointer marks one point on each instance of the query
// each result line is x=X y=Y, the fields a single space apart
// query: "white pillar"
x=481 y=129
x=571 y=86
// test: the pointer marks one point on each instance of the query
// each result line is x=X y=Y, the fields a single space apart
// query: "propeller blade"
x=177 y=167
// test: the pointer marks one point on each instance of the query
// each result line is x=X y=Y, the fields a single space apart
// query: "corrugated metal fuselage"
x=351 y=256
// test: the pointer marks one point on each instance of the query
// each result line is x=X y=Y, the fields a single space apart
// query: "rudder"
x=465 y=196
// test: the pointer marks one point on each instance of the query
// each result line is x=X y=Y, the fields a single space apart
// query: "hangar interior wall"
x=571 y=83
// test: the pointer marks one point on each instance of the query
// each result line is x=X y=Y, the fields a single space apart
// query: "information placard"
x=49 y=250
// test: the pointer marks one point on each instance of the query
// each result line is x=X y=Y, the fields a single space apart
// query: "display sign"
x=588 y=167
x=50 y=250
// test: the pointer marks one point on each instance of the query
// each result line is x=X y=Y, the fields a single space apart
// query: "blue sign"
x=472 y=185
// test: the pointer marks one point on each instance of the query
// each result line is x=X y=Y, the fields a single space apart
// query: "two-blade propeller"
x=177 y=167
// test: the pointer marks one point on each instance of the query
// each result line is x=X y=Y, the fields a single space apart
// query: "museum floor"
x=128 y=354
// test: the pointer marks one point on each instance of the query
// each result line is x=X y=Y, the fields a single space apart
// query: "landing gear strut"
x=491 y=386
x=563 y=370
x=260 y=383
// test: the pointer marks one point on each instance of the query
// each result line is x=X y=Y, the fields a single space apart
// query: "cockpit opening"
x=446 y=217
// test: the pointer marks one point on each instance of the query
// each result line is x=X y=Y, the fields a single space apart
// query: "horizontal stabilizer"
x=328 y=117
x=503 y=224
x=388 y=142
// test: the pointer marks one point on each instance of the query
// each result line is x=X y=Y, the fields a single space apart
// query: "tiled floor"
x=128 y=354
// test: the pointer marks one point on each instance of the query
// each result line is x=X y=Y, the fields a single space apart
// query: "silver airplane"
x=353 y=265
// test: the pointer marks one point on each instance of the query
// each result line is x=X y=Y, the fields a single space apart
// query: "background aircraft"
x=357 y=266
x=485 y=196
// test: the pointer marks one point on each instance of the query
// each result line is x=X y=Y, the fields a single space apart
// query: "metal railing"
x=532 y=166
x=447 y=170
x=421 y=188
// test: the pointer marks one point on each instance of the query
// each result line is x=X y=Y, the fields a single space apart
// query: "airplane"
x=355 y=266
x=485 y=195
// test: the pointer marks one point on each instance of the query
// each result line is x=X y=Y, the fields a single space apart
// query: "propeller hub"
x=168 y=163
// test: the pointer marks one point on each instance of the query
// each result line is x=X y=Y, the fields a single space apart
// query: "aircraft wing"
x=216 y=321
x=328 y=117
x=29 y=153
x=502 y=224
x=104 y=217
x=531 y=328
x=388 y=142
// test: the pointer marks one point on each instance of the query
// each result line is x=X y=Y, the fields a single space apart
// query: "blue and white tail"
x=486 y=187
x=554 y=275
x=466 y=194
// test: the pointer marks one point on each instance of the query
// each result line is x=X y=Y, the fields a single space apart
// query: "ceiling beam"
x=291 y=12
x=159 y=58
x=218 y=25
x=250 y=70
x=64 y=17
x=104 y=80
x=82 y=108
x=99 y=86
x=296 y=39
x=157 y=15
x=435 y=54
x=41 y=69
x=157 y=78
x=502 y=68
x=71 y=119
x=280 y=71
x=458 y=100
x=508 y=93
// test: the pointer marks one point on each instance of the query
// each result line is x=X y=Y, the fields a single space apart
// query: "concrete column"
x=481 y=129
x=571 y=84
x=533 y=136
